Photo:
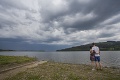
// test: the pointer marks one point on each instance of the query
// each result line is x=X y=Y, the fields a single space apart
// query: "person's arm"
x=99 y=51
x=90 y=51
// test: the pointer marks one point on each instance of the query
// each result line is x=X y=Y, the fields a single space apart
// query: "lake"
x=108 y=58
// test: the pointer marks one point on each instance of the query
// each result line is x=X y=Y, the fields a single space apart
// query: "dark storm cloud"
x=50 y=40
x=47 y=22
x=106 y=35
x=20 y=40
x=75 y=6
x=115 y=21
x=102 y=9
x=11 y=40
x=27 y=46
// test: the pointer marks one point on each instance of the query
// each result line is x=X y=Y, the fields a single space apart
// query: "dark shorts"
x=97 y=58
x=92 y=58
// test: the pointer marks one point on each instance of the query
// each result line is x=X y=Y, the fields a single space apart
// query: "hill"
x=104 y=46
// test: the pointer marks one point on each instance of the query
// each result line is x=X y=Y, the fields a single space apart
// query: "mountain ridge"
x=104 y=46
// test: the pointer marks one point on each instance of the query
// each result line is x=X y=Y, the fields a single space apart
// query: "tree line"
x=104 y=46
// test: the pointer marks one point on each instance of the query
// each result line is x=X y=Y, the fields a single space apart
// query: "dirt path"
x=14 y=71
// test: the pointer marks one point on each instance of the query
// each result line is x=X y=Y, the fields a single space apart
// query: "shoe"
x=101 y=69
x=93 y=69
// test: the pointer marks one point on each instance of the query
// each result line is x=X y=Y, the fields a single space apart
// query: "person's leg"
x=93 y=62
x=96 y=63
x=93 y=65
x=100 y=65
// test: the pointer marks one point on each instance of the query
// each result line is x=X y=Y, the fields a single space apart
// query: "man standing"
x=97 y=56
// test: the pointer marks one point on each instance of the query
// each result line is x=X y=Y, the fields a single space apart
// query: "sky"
x=57 y=24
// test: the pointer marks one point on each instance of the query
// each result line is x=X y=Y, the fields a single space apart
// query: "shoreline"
x=65 y=71
x=13 y=61
x=16 y=66
x=32 y=62
x=17 y=69
x=51 y=70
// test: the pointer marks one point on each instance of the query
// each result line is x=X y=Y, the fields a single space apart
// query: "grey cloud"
x=11 y=40
x=86 y=25
x=115 y=21
x=50 y=40
x=106 y=35
x=8 y=4
x=104 y=9
x=33 y=11
x=4 y=23
x=6 y=17
x=30 y=17
x=75 y=6
x=26 y=23
x=47 y=16
x=26 y=46
x=39 y=30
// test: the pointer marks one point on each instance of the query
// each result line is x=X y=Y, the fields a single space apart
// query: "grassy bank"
x=59 y=71
x=7 y=61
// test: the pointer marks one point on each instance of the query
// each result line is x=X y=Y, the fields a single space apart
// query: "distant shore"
x=104 y=46
x=1 y=50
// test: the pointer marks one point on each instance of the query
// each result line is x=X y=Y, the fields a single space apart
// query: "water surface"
x=108 y=58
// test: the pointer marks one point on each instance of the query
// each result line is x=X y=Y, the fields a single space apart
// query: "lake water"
x=108 y=58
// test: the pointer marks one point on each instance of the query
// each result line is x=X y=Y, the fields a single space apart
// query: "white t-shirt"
x=96 y=50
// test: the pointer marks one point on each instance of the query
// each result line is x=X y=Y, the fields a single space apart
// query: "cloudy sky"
x=56 y=24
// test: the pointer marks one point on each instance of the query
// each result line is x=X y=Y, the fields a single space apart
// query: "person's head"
x=93 y=44
x=90 y=47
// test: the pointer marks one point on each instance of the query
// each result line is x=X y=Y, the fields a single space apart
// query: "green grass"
x=10 y=60
x=59 y=71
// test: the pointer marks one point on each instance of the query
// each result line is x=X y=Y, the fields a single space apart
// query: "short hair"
x=93 y=43
x=90 y=47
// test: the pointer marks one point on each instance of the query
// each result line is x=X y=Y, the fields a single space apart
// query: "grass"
x=14 y=60
x=60 y=71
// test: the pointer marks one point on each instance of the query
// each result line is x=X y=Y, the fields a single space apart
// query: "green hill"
x=104 y=46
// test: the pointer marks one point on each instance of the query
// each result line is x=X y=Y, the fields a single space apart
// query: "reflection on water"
x=108 y=58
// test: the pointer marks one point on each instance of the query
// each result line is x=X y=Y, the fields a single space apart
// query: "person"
x=97 y=56
x=92 y=58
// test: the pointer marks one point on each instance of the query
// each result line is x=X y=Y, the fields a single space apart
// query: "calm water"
x=108 y=58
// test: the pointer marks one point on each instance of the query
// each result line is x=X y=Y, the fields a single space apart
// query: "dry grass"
x=12 y=61
x=59 y=71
